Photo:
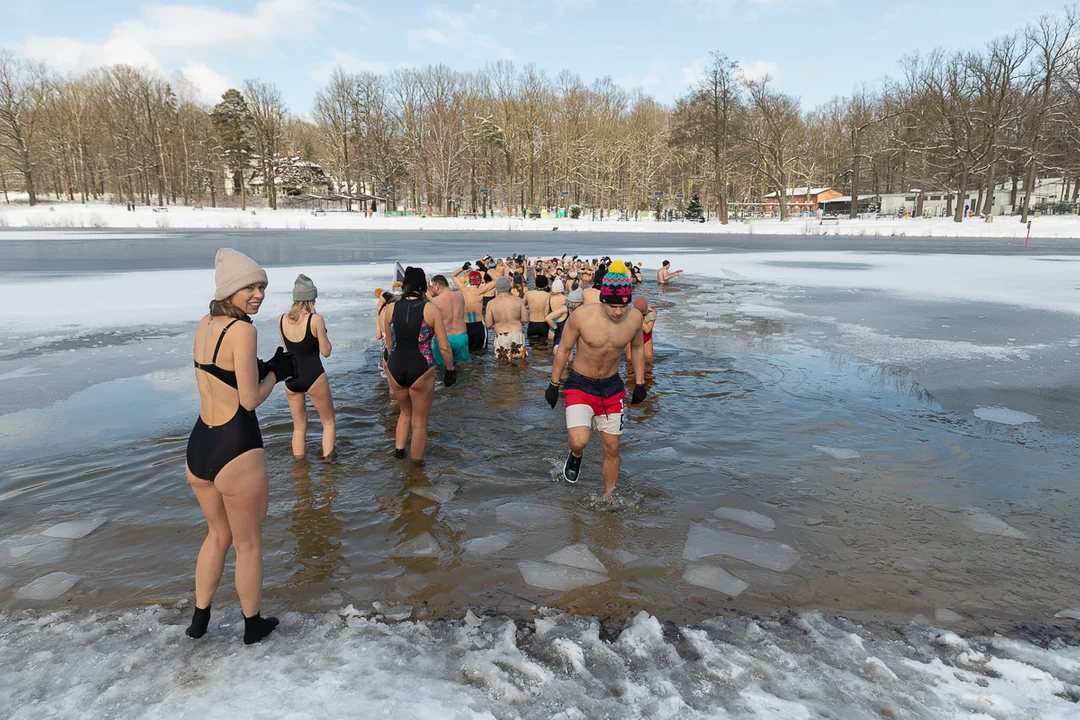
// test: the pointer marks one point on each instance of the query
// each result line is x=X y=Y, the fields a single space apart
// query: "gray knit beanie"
x=233 y=271
x=303 y=290
x=503 y=284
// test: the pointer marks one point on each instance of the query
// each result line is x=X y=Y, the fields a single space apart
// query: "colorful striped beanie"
x=616 y=288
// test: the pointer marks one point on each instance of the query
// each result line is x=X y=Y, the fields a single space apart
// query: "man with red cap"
x=594 y=390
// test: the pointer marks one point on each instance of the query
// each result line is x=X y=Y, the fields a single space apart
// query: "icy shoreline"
x=139 y=664
x=100 y=215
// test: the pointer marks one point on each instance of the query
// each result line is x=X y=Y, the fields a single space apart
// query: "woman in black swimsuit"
x=409 y=325
x=226 y=465
x=303 y=322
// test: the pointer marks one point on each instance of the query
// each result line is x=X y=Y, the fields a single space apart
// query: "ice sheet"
x=838 y=453
x=578 y=556
x=530 y=516
x=33 y=550
x=705 y=542
x=73 y=529
x=423 y=545
x=983 y=522
x=558 y=577
x=756 y=520
x=716 y=579
x=486 y=545
x=1004 y=416
x=49 y=587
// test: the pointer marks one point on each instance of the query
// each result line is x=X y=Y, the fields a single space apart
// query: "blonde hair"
x=301 y=307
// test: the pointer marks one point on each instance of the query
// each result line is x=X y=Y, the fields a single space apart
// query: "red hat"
x=475 y=278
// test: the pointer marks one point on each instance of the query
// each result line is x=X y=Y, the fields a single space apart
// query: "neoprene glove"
x=639 y=395
x=283 y=365
x=450 y=377
x=552 y=394
x=467 y=265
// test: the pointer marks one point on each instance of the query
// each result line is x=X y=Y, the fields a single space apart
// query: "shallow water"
x=794 y=460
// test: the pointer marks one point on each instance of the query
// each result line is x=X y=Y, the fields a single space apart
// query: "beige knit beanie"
x=233 y=271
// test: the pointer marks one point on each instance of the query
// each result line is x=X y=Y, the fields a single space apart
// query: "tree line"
x=515 y=139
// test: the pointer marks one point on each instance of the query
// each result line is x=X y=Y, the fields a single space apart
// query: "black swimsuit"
x=211 y=448
x=410 y=342
x=308 y=363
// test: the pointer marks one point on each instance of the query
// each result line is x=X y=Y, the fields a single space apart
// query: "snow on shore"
x=99 y=215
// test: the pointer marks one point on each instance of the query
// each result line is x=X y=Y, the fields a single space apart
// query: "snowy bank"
x=100 y=215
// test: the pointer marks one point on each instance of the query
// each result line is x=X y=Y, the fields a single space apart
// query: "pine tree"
x=693 y=208
x=232 y=119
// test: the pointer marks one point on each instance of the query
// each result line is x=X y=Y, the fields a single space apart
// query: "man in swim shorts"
x=594 y=390
x=473 y=293
x=506 y=314
x=538 y=302
x=452 y=305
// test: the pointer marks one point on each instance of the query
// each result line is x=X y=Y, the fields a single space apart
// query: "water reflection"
x=313 y=523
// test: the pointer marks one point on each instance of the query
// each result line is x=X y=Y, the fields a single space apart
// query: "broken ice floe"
x=529 y=516
x=756 y=520
x=48 y=587
x=1069 y=614
x=577 y=556
x=74 y=529
x=1004 y=416
x=713 y=578
x=423 y=545
x=558 y=577
x=486 y=545
x=396 y=613
x=838 y=453
x=704 y=542
x=944 y=615
x=33 y=549
x=435 y=493
x=983 y=522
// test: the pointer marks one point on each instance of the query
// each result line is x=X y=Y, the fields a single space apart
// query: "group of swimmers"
x=586 y=309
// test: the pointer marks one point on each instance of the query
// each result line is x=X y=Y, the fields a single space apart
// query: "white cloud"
x=693 y=73
x=348 y=63
x=759 y=69
x=211 y=85
x=718 y=8
x=455 y=30
x=181 y=32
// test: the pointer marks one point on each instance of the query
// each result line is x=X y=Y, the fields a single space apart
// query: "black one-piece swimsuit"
x=210 y=448
x=308 y=362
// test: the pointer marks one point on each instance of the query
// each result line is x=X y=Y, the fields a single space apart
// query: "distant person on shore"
x=451 y=304
x=505 y=315
x=311 y=380
x=594 y=390
x=226 y=464
x=411 y=322
x=664 y=275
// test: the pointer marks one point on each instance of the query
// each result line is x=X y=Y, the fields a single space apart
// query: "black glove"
x=552 y=394
x=450 y=377
x=467 y=265
x=283 y=365
x=639 y=394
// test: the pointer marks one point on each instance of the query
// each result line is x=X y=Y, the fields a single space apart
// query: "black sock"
x=257 y=627
x=399 y=453
x=199 y=621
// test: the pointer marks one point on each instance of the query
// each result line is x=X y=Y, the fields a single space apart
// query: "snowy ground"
x=75 y=215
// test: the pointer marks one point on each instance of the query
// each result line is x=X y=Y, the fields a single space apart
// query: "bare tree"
x=25 y=89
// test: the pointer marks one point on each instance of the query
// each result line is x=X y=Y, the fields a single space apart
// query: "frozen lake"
x=854 y=448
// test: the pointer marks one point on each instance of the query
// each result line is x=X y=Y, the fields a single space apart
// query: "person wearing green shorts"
x=451 y=304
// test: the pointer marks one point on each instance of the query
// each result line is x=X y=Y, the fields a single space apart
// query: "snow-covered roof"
x=1040 y=182
x=847 y=198
x=801 y=191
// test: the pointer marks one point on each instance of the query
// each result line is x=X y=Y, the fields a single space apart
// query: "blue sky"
x=815 y=49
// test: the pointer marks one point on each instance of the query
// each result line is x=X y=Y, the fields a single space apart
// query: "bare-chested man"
x=473 y=294
x=452 y=306
x=506 y=314
x=537 y=301
x=594 y=390
x=664 y=275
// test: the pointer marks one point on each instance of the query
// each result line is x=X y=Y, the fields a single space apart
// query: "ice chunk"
x=49 y=587
x=558 y=577
x=530 y=516
x=74 y=529
x=486 y=545
x=944 y=615
x=439 y=494
x=1004 y=416
x=396 y=613
x=33 y=549
x=578 y=556
x=851 y=472
x=838 y=453
x=983 y=522
x=1069 y=614
x=423 y=545
x=705 y=541
x=714 y=578
x=756 y=520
